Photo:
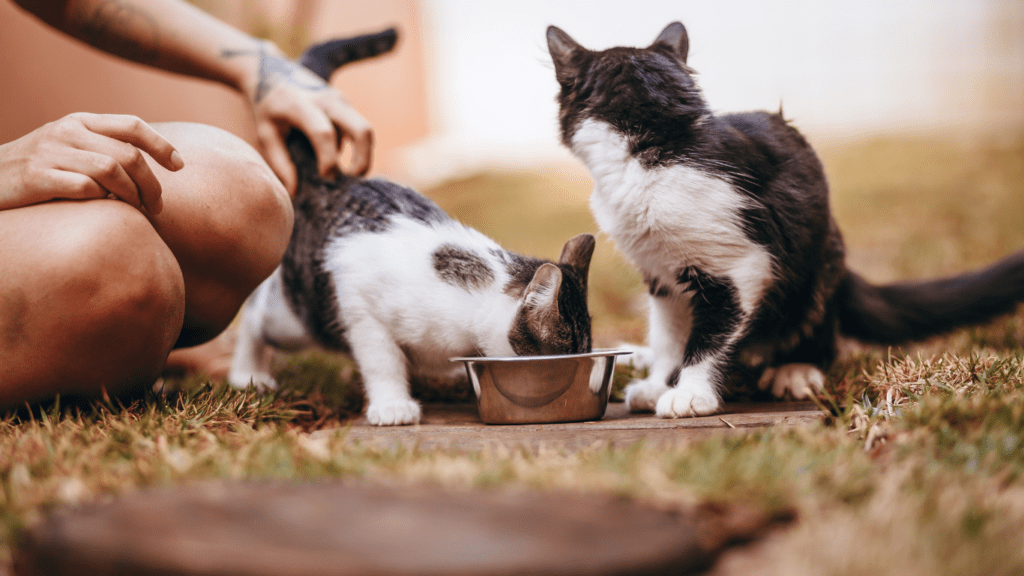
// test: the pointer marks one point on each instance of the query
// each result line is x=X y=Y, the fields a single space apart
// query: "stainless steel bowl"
x=539 y=389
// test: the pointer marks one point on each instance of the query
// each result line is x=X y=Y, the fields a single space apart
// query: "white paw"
x=394 y=412
x=642 y=395
x=687 y=401
x=262 y=382
x=801 y=380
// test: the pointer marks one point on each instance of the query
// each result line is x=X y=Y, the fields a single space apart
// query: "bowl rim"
x=595 y=353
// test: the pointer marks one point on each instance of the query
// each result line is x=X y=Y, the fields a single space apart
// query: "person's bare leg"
x=93 y=296
x=90 y=299
x=210 y=360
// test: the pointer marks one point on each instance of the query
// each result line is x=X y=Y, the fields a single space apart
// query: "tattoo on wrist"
x=123 y=29
x=272 y=70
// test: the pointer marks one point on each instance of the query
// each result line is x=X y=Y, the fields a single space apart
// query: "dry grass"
x=920 y=469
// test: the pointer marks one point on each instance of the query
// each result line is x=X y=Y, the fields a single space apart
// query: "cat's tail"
x=906 y=311
x=324 y=59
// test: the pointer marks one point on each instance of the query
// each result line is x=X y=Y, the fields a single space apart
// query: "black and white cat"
x=727 y=217
x=380 y=271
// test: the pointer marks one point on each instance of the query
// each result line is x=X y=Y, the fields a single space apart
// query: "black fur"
x=649 y=96
x=914 y=310
x=572 y=305
x=323 y=59
x=673 y=377
x=716 y=311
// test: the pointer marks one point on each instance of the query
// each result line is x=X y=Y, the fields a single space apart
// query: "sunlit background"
x=916 y=106
x=841 y=69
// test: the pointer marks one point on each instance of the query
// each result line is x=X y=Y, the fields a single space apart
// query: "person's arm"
x=177 y=37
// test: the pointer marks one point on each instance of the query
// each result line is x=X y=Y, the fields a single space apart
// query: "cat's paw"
x=262 y=381
x=394 y=412
x=684 y=401
x=642 y=395
x=801 y=380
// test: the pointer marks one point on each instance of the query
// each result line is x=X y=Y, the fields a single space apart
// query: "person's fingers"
x=145 y=185
x=276 y=154
x=134 y=131
x=71 y=185
x=315 y=124
x=108 y=174
x=355 y=129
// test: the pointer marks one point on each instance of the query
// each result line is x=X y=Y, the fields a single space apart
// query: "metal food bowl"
x=541 y=389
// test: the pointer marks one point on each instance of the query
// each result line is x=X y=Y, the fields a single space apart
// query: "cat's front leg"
x=716 y=322
x=670 y=322
x=382 y=364
x=693 y=391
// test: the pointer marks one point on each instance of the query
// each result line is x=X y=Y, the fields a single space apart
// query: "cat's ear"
x=674 y=36
x=541 y=294
x=536 y=326
x=577 y=252
x=562 y=47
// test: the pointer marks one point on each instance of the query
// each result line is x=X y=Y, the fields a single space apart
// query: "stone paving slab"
x=457 y=427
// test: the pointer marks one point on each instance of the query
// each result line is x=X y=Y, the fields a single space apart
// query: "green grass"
x=919 y=469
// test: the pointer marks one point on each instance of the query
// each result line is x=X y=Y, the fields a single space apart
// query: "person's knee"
x=256 y=205
x=264 y=217
x=248 y=211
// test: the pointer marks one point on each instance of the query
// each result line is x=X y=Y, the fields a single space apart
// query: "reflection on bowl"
x=538 y=389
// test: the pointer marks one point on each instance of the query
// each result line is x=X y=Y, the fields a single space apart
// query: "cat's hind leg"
x=641 y=358
x=800 y=372
x=801 y=381
x=266 y=322
x=250 y=363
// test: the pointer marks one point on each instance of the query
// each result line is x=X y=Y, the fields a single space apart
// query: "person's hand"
x=84 y=156
x=286 y=95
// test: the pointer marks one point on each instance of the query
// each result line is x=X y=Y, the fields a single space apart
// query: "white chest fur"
x=667 y=218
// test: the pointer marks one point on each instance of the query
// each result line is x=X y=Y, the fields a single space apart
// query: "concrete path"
x=457 y=427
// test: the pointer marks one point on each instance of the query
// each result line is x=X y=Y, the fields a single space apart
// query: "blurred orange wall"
x=45 y=75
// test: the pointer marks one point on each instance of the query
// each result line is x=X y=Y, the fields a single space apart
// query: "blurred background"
x=916 y=106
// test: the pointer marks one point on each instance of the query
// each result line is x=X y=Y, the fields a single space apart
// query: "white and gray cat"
x=380 y=271
x=727 y=217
